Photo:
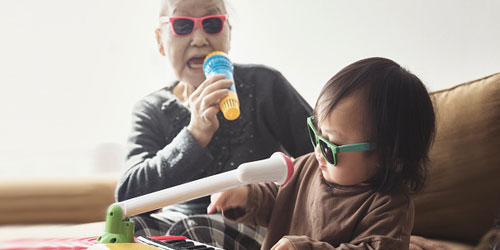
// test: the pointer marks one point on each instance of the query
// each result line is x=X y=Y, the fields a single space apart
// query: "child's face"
x=346 y=124
x=186 y=53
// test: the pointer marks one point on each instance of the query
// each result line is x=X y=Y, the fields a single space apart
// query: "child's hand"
x=236 y=197
x=283 y=244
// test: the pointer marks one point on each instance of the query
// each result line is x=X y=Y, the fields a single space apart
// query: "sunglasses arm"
x=356 y=147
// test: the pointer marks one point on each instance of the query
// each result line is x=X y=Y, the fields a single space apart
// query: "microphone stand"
x=119 y=229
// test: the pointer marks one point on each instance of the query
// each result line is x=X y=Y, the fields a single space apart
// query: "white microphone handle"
x=278 y=168
x=179 y=193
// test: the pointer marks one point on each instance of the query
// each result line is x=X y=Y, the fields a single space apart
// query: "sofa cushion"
x=462 y=196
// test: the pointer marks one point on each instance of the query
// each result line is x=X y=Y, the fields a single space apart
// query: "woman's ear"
x=158 y=40
x=230 y=27
x=229 y=37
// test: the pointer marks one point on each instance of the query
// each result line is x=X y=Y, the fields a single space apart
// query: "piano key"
x=176 y=244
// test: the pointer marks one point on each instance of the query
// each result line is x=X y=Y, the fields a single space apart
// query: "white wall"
x=70 y=70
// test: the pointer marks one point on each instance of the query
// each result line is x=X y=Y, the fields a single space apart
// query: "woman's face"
x=186 y=53
x=346 y=124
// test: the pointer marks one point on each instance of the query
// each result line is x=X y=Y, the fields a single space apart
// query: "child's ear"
x=158 y=40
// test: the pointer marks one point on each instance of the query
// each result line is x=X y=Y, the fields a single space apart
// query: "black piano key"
x=178 y=244
x=187 y=245
x=182 y=244
x=199 y=247
x=173 y=241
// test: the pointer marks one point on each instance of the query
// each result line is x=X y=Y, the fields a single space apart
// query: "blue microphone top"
x=218 y=63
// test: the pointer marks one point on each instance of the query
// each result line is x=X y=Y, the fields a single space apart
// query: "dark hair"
x=401 y=119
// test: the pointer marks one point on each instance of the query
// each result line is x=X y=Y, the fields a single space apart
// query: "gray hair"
x=165 y=4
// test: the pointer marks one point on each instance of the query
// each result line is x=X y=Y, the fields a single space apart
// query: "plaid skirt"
x=211 y=229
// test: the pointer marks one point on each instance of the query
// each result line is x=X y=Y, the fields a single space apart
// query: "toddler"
x=372 y=128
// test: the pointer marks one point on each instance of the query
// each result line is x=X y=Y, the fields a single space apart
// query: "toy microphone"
x=217 y=62
x=278 y=168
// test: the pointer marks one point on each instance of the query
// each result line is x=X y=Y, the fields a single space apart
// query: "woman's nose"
x=199 y=37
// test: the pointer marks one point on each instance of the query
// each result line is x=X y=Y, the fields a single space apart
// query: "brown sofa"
x=50 y=208
x=458 y=206
x=462 y=198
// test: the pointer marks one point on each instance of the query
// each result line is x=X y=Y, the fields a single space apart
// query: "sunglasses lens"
x=312 y=136
x=212 y=25
x=183 y=26
x=327 y=152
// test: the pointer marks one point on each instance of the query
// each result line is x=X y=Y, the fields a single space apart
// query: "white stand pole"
x=278 y=168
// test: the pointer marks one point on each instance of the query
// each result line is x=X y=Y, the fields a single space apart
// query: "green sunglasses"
x=330 y=150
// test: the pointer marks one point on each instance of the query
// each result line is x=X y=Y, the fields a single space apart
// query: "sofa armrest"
x=75 y=200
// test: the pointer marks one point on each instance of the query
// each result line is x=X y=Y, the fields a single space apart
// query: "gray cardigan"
x=162 y=153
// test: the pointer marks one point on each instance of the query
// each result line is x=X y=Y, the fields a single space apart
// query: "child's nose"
x=319 y=155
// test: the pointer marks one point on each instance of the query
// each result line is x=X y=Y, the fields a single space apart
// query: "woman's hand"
x=204 y=105
x=236 y=197
x=283 y=244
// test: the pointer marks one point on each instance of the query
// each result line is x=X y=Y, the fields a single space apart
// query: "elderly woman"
x=178 y=134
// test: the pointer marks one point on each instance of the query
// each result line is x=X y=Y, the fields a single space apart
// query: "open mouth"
x=195 y=62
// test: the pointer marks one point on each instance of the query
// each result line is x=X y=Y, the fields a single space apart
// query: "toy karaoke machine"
x=119 y=229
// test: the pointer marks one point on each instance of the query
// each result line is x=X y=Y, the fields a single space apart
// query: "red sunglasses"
x=185 y=25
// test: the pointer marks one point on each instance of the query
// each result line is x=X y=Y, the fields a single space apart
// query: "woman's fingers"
x=212 y=99
x=217 y=85
x=204 y=84
x=206 y=104
x=208 y=95
x=210 y=114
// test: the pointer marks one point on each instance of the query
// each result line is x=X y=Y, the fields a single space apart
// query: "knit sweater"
x=162 y=153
